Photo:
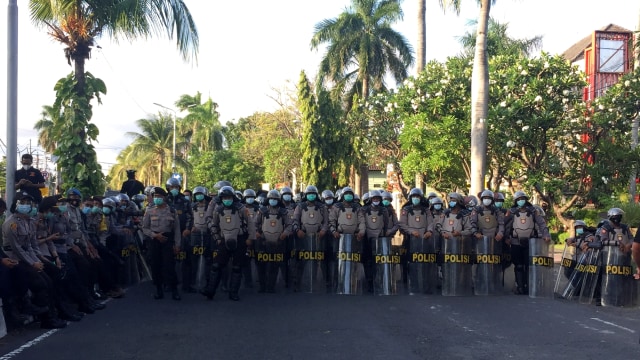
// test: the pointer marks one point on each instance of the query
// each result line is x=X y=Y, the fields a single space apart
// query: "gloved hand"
x=301 y=234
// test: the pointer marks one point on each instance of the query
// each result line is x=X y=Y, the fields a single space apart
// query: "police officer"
x=200 y=236
x=345 y=217
x=182 y=207
x=234 y=234
x=19 y=233
x=525 y=223
x=162 y=225
x=132 y=186
x=489 y=219
x=273 y=227
x=249 y=201
x=29 y=179
x=415 y=221
x=378 y=223
x=286 y=197
x=309 y=218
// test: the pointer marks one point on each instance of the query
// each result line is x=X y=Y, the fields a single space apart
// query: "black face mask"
x=74 y=202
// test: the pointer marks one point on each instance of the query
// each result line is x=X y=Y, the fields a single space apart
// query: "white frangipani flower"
x=538 y=99
x=525 y=128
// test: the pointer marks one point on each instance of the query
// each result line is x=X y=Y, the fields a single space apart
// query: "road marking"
x=608 y=323
x=27 y=345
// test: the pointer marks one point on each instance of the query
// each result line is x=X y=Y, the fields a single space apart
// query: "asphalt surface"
x=309 y=326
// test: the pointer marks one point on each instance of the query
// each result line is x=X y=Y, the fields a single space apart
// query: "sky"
x=248 y=48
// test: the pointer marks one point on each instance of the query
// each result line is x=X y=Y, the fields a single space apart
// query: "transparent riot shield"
x=133 y=268
x=567 y=265
x=143 y=266
x=199 y=248
x=583 y=276
x=590 y=272
x=270 y=256
x=423 y=266
x=457 y=266
x=541 y=280
x=309 y=264
x=124 y=270
x=350 y=279
x=488 y=274
x=385 y=263
x=617 y=278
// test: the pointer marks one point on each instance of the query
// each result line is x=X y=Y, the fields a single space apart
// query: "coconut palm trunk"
x=479 y=102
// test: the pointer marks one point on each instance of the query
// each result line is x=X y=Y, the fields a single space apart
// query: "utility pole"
x=636 y=121
x=12 y=97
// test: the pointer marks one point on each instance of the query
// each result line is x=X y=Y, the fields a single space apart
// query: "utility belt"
x=7 y=248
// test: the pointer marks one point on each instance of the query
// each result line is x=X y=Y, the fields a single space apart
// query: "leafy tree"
x=499 y=42
x=362 y=49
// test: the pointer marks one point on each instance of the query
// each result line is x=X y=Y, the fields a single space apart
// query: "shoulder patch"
x=14 y=226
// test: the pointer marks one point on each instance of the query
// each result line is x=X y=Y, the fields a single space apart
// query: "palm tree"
x=47 y=128
x=154 y=145
x=78 y=23
x=499 y=42
x=362 y=48
x=203 y=121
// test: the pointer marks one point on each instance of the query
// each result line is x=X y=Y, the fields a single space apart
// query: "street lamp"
x=173 y=161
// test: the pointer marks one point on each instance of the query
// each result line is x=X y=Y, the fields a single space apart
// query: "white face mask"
x=486 y=202
x=26 y=167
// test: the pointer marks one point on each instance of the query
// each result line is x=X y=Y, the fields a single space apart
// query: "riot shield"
x=617 y=277
x=198 y=259
x=457 y=266
x=423 y=266
x=386 y=267
x=590 y=273
x=309 y=264
x=146 y=272
x=488 y=274
x=124 y=270
x=350 y=277
x=133 y=260
x=582 y=278
x=541 y=280
x=270 y=255
x=567 y=265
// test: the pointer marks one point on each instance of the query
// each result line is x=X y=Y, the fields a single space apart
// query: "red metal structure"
x=608 y=58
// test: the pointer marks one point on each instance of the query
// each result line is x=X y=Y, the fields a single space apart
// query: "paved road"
x=303 y=326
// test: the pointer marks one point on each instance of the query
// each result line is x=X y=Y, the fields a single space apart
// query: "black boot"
x=13 y=317
x=234 y=285
x=31 y=309
x=159 y=293
x=214 y=280
x=521 y=287
x=272 y=277
x=175 y=295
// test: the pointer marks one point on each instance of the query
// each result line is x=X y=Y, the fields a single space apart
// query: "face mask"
x=74 y=202
x=199 y=197
x=452 y=204
x=521 y=203
x=431 y=201
x=86 y=210
x=437 y=207
x=375 y=203
x=348 y=197
x=579 y=231
x=227 y=202
x=311 y=197
x=26 y=167
x=62 y=208
x=106 y=210
x=498 y=204
x=616 y=219
x=187 y=197
x=158 y=201
x=48 y=215
x=33 y=212
x=273 y=202
x=486 y=202
x=286 y=197
x=95 y=210
x=23 y=208
x=386 y=202
x=328 y=201
x=415 y=200
x=250 y=200
x=174 y=192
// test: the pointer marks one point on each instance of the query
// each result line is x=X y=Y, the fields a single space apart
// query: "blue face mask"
x=48 y=215
x=158 y=201
x=579 y=231
x=386 y=202
x=86 y=210
x=123 y=207
x=62 y=208
x=174 y=192
x=375 y=203
x=34 y=212
x=23 y=208
x=329 y=201
x=199 y=197
x=286 y=197
x=452 y=204
x=95 y=210
x=437 y=207
x=498 y=204
x=521 y=203
x=250 y=200
x=273 y=202
x=187 y=197
x=106 y=210
x=227 y=202
x=415 y=200
x=348 y=197
x=311 y=197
